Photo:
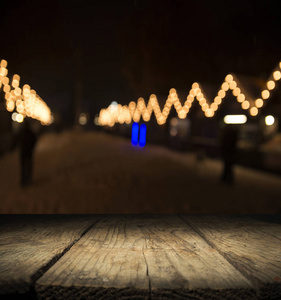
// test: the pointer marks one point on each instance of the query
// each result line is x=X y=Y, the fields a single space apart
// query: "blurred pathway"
x=90 y=172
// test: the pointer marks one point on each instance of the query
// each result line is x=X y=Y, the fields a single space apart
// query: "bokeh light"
x=269 y=120
x=25 y=101
x=136 y=111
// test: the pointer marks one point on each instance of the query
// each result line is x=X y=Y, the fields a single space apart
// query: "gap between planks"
x=40 y=272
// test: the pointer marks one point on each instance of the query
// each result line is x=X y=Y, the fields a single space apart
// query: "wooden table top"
x=140 y=256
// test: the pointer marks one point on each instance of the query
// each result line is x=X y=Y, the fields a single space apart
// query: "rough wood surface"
x=250 y=243
x=107 y=262
x=143 y=257
x=182 y=265
x=29 y=244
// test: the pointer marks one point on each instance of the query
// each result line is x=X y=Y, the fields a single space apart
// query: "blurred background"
x=77 y=71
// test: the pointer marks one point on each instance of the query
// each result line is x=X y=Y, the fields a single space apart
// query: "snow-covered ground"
x=90 y=172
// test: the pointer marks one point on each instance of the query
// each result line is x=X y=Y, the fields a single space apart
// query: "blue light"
x=135 y=134
x=142 y=140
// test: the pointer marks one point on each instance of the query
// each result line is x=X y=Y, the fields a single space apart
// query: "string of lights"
x=135 y=110
x=25 y=101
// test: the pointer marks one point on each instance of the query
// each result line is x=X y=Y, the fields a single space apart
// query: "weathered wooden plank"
x=31 y=243
x=182 y=265
x=142 y=256
x=251 y=244
x=107 y=262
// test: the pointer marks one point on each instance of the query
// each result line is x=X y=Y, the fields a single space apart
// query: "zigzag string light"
x=134 y=111
x=25 y=100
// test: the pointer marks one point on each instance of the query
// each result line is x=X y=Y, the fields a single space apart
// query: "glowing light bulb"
x=221 y=93
x=253 y=111
x=14 y=116
x=3 y=63
x=259 y=103
x=214 y=106
x=10 y=105
x=195 y=85
x=218 y=100
x=5 y=80
x=236 y=92
x=7 y=88
x=199 y=96
x=277 y=75
x=205 y=107
x=182 y=114
x=202 y=101
x=241 y=97
x=17 y=91
x=209 y=113
x=245 y=104
x=225 y=86
x=228 y=78
x=192 y=92
x=232 y=84
x=19 y=118
x=269 y=120
x=270 y=85
x=265 y=94
x=235 y=119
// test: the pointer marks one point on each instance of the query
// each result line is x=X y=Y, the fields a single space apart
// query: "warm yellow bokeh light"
x=241 y=97
x=5 y=80
x=202 y=101
x=182 y=114
x=10 y=105
x=245 y=104
x=7 y=88
x=259 y=103
x=195 y=85
x=221 y=93
x=228 y=78
x=277 y=75
x=19 y=118
x=205 y=107
x=193 y=92
x=232 y=84
x=218 y=100
x=27 y=104
x=253 y=111
x=17 y=91
x=209 y=113
x=214 y=106
x=3 y=63
x=270 y=85
x=236 y=92
x=199 y=96
x=225 y=86
x=265 y=94
x=136 y=111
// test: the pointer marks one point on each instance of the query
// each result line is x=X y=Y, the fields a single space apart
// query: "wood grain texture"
x=182 y=265
x=251 y=244
x=29 y=244
x=142 y=257
x=106 y=263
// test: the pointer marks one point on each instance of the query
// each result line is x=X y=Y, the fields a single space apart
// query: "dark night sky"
x=127 y=49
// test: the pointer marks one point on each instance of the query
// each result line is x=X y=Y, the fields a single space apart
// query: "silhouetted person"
x=27 y=141
x=228 y=150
